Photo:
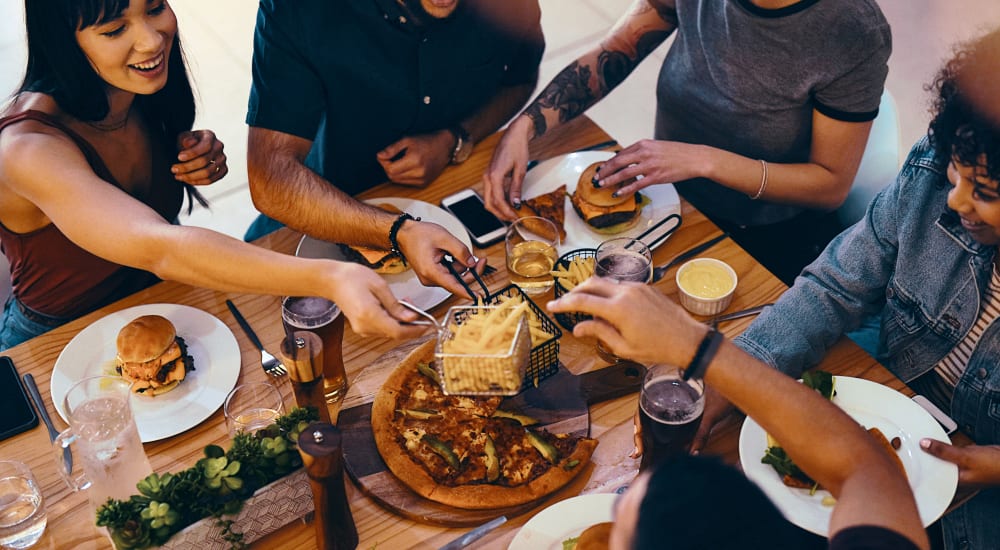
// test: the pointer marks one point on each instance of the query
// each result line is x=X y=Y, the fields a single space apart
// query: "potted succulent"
x=214 y=501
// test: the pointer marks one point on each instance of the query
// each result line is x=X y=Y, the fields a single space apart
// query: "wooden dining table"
x=71 y=518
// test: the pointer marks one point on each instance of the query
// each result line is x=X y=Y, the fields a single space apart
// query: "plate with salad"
x=903 y=423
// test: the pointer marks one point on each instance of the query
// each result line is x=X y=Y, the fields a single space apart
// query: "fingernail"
x=599 y=168
x=614 y=195
x=695 y=452
x=925 y=443
x=635 y=453
x=472 y=261
x=517 y=204
x=594 y=180
x=174 y=170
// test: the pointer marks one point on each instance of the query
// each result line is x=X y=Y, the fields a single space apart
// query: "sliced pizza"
x=551 y=206
x=466 y=452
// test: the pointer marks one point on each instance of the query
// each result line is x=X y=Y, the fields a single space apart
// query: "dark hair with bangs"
x=961 y=129
x=58 y=67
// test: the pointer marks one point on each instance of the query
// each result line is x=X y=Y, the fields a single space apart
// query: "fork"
x=269 y=362
x=660 y=271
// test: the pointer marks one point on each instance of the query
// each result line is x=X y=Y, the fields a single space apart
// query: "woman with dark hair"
x=924 y=260
x=96 y=154
x=697 y=502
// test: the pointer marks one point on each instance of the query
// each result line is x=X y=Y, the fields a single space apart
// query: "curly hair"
x=962 y=127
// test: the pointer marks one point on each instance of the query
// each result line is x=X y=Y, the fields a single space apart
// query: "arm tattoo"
x=613 y=65
x=569 y=93
x=534 y=112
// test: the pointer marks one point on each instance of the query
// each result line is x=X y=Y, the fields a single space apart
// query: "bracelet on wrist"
x=703 y=356
x=394 y=234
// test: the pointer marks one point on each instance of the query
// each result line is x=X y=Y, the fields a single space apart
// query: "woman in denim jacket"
x=923 y=257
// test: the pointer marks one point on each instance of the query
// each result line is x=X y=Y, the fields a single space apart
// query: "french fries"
x=579 y=270
x=489 y=348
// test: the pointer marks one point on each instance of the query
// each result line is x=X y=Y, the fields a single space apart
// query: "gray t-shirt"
x=746 y=80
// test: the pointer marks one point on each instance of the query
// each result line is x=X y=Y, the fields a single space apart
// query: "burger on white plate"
x=600 y=210
x=151 y=355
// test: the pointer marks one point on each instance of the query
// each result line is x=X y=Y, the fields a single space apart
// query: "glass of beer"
x=622 y=259
x=531 y=253
x=670 y=411
x=324 y=318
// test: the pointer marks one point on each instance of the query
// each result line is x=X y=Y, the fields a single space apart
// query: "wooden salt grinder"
x=319 y=445
x=302 y=356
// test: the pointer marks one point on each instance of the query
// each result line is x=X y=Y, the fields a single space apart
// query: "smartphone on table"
x=18 y=414
x=484 y=228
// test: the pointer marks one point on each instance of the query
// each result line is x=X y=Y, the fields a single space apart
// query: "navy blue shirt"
x=355 y=76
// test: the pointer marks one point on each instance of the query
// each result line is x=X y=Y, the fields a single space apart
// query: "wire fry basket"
x=569 y=319
x=468 y=370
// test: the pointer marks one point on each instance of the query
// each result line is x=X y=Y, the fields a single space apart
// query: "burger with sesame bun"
x=151 y=355
x=602 y=211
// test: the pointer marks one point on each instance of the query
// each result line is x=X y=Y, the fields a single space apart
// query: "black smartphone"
x=484 y=228
x=18 y=415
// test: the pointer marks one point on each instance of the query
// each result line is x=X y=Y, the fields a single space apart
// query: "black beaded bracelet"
x=394 y=233
x=704 y=355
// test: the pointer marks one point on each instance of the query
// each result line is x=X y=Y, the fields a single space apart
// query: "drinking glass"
x=22 y=509
x=324 y=318
x=102 y=429
x=252 y=406
x=531 y=253
x=670 y=410
x=622 y=259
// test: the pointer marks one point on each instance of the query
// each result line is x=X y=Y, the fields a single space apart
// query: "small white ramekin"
x=700 y=305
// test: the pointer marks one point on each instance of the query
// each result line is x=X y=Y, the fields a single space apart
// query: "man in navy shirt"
x=349 y=94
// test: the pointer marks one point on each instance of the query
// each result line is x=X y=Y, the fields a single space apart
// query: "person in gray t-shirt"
x=763 y=112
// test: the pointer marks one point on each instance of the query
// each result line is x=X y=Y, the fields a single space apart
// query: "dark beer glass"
x=670 y=411
x=622 y=259
x=324 y=318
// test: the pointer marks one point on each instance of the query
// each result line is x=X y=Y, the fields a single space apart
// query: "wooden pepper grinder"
x=319 y=445
x=302 y=356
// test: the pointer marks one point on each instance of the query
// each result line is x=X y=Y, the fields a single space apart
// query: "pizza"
x=467 y=452
x=551 y=206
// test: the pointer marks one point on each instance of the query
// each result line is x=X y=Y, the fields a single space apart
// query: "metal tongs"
x=449 y=262
x=428 y=319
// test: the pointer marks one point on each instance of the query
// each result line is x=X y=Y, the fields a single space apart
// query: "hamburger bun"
x=151 y=355
x=600 y=196
x=600 y=210
x=595 y=537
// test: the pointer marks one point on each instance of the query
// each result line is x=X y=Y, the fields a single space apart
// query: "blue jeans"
x=19 y=326
x=974 y=525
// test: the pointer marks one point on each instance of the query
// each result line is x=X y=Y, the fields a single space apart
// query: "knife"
x=474 y=535
x=29 y=382
x=737 y=314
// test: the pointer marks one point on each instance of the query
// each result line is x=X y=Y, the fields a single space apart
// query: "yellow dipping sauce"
x=706 y=280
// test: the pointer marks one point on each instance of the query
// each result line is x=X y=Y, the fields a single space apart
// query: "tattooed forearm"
x=569 y=93
x=534 y=112
x=612 y=68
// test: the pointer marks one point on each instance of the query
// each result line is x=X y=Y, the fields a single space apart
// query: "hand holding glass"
x=323 y=318
x=622 y=259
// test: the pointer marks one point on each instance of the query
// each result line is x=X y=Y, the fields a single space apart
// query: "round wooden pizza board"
x=559 y=402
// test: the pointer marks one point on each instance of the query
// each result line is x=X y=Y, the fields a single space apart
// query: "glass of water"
x=22 y=509
x=251 y=407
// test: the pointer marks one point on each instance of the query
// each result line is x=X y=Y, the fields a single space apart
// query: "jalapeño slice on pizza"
x=467 y=452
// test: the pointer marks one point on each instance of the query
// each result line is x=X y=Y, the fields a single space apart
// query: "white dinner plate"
x=404 y=285
x=210 y=342
x=566 y=169
x=873 y=406
x=563 y=520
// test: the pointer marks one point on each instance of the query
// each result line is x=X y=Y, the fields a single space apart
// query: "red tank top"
x=50 y=274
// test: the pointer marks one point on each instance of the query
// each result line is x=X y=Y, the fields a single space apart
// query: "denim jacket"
x=910 y=260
